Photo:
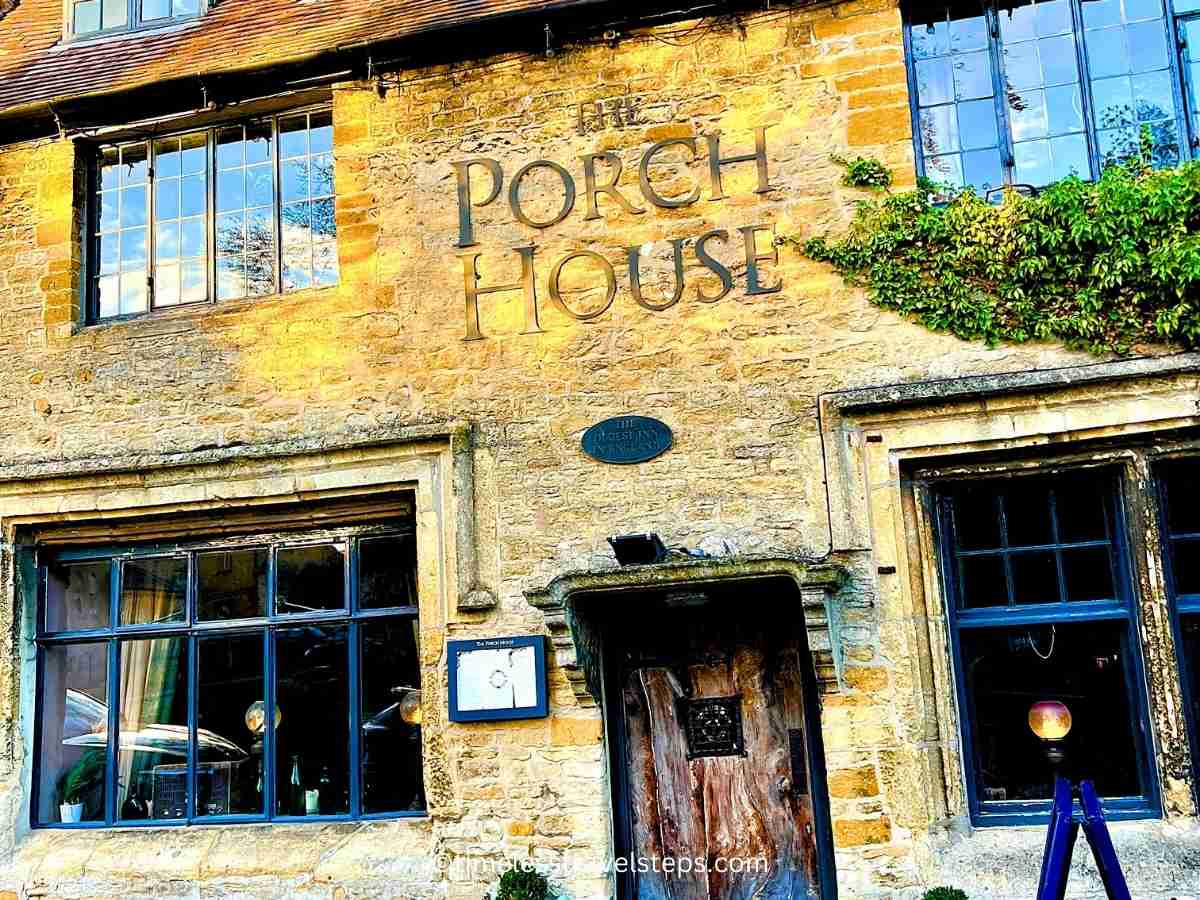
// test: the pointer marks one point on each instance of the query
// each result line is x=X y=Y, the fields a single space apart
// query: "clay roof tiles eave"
x=237 y=36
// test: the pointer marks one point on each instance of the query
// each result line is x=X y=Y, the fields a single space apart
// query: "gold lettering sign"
x=601 y=173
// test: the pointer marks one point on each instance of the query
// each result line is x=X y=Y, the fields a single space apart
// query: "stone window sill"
x=193 y=311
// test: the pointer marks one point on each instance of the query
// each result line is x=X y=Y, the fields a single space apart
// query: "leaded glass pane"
x=245 y=203
x=955 y=96
x=121 y=235
x=1129 y=59
x=306 y=191
x=180 y=203
x=1043 y=97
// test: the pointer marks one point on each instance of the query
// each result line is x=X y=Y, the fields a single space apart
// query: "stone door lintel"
x=816 y=583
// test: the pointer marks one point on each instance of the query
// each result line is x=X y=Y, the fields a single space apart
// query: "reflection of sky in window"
x=1130 y=78
x=245 y=220
x=306 y=194
x=92 y=16
x=123 y=201
x=1190 y=31
x=99 y=15
x=180 y=208
x=221 y=188
x=1044 y=101
x=956 y=112
x=164 y=9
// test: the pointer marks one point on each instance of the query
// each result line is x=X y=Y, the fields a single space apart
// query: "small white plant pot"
x=70 y=812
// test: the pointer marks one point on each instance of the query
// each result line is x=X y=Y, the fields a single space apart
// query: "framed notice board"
x=498 y=678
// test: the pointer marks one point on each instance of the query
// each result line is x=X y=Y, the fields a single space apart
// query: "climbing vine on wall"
x=1101 y=265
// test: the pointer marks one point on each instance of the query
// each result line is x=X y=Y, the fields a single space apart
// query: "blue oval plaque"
x=624 y=440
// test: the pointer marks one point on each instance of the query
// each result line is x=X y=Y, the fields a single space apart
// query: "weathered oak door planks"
x=707 y=826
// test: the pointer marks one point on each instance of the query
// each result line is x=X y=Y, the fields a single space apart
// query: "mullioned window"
x=223 y=213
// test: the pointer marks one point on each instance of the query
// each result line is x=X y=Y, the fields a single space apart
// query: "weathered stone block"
x=861 y=832
x=575 y=731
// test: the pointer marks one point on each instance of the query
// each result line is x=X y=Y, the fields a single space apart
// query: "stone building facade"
x=811 y=432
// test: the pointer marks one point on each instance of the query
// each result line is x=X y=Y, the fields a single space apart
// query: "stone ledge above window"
x=574 y=638
x=989 y=412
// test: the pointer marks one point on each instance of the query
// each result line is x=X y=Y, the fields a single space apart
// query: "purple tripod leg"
x=1060 y=843
x=1096 y=830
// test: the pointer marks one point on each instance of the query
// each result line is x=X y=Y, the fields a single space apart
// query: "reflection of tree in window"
x=1155 y=139
x=309 y=255
x=1046 y=80
x=301 y=223
x=269 y=233
x=956 y=117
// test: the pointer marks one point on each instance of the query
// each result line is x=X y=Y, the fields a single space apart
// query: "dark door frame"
x=617 y=747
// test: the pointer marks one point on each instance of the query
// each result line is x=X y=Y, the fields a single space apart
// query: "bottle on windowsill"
x=325 y=792
x=296 y=789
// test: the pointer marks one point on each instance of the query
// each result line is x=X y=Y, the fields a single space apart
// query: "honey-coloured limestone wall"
x=737 y=380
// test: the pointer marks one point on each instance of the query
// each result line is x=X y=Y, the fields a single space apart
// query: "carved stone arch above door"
x=565 y=603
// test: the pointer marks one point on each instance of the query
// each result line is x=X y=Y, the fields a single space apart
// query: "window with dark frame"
x=1040 y=608
x=1179 y=491
x=235 y=211
x=87 y=18
x=239 y=681
x=1018 y=92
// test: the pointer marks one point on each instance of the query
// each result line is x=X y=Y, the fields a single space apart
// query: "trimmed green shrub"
x=522 y=882
x=944 y=893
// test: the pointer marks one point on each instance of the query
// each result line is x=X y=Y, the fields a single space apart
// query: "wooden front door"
x=717 y=771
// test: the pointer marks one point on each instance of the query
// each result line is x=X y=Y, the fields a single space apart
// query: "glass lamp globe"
x=256 y=717
x=1050 y=720
x=410 y=707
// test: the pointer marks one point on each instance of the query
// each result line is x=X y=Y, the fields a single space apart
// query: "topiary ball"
x=944 y=893
x=523 y=883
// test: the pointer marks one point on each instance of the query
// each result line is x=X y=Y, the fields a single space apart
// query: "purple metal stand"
x=1096 y=830
x=1060 y=844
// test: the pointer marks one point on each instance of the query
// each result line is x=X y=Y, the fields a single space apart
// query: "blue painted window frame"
x=1124 y=609
x=1185 y=111
x=352 y=616
x=1181 y=605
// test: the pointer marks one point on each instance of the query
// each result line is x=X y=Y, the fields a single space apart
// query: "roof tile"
x=36 y=65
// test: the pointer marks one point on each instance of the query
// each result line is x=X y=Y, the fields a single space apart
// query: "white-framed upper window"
x=85 y=18
x=238 y=210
